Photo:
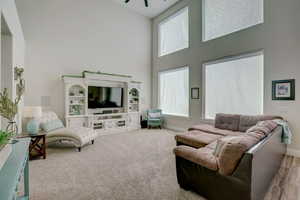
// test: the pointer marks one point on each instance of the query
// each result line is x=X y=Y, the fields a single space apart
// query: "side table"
x=37 y=147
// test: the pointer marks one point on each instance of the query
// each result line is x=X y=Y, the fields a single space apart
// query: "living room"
x=100 y=88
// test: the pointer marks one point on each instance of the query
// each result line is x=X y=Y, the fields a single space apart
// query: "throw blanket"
x=287 y=133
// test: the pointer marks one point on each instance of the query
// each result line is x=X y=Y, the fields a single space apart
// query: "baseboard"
x=293 y=152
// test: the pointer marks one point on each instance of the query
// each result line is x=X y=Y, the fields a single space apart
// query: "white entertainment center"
x=106 y=120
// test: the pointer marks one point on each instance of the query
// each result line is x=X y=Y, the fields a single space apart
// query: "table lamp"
x=32 y=112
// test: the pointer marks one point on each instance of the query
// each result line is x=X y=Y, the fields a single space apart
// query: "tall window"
x=174 y=32
x=174 y=92
x=234 y=86
x=222 y=17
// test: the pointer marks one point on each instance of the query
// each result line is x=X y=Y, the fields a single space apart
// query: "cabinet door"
x=77 y=122
x=134 y=120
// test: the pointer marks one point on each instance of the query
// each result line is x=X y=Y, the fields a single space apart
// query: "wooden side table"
x=37 y=147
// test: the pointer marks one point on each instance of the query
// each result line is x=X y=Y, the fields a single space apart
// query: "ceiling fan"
x=146 y=2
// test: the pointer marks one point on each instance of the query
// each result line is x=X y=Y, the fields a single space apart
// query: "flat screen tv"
x=105 y=97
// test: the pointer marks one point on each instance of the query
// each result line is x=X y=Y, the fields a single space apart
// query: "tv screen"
x=105 y=97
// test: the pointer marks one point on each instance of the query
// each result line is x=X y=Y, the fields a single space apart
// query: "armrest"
x=203 y=156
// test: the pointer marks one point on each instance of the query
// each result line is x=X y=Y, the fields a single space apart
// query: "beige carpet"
x=132 y=166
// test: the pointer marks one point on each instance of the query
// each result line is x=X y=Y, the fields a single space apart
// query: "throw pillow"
x=264 y=127
x=154 y=115
x=52 y=125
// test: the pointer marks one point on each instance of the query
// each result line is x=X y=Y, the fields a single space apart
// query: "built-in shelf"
x=112 y=120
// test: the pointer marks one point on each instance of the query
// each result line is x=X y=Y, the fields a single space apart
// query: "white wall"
x=67 y=37
x=9 y=12
x=279 y=36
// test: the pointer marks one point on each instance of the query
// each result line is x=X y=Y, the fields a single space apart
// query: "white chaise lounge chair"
x=79 y=136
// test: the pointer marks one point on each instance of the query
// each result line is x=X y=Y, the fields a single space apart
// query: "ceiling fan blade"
x=146 y=2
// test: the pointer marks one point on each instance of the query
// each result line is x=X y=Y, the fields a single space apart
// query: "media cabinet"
x=106 y=120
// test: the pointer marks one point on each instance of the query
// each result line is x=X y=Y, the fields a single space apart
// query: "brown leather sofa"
x=198 y=170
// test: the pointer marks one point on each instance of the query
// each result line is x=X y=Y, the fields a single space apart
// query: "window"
x=174 y=32
x=234 y=86
x=222 y=17
x=174 y=92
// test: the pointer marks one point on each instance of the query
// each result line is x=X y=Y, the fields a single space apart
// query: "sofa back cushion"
x=227 y=121
x=247 y=121
x=229 y=150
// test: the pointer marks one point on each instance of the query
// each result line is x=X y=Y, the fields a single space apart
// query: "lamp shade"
x=32 y=112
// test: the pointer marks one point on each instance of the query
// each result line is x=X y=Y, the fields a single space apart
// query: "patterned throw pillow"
x=52 y=125
x=264 y=127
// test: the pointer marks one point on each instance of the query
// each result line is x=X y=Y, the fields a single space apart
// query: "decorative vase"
x=5 y=152
x=32 y=127
x=12 y=127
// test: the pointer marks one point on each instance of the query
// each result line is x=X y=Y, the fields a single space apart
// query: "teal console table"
x=11 y=172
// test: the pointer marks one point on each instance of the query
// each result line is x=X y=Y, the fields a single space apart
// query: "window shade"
x=234 y=86
x=174 y=33
x=222 y=17
x=174 y=92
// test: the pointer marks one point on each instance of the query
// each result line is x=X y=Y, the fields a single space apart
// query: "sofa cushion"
x=196 y=139
x=79 y=135
x=229 y=150
x=211 y=129
x=203 y=156
x=247 y=121
x=227 y=121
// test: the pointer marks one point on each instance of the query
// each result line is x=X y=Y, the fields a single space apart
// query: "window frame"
x=236 y=31
x=228 y=59
x=158 y=102
x=165 y=20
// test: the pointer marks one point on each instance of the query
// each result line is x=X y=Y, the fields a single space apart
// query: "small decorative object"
x=9 y=108
x=134 y=92
x=18 y=73
x=283 y=89
x=195 y=93
x=81 y=92
x=72 y=94
x=33 y=112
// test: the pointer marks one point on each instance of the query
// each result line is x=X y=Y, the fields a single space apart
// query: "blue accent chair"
x=154 y=118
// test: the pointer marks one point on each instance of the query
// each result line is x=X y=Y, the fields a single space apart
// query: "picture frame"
x=283 y=90
x=195 y=93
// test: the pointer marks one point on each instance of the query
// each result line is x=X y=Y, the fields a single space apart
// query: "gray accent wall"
x=278 y=37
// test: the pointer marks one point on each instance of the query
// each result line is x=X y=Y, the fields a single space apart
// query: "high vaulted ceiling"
x=155 y=6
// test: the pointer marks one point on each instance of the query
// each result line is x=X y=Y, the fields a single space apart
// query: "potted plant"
x=5 y=147
x=9 y=110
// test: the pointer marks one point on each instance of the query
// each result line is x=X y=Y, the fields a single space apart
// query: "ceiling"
x=155 y=6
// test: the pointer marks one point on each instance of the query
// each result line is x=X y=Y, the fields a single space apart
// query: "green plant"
x=4 y=137
x=8 y=107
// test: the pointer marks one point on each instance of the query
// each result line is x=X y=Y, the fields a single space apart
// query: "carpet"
x=136 y=165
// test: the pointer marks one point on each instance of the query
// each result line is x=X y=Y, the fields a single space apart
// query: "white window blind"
x=174 y=92
x=234 y=86
x=222 y=17
x=174 y=32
